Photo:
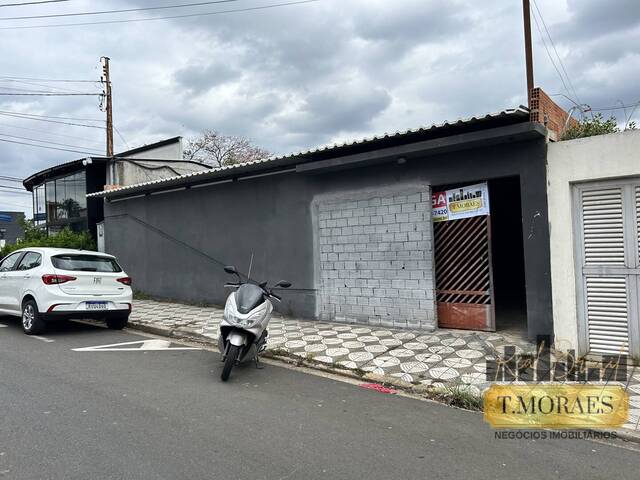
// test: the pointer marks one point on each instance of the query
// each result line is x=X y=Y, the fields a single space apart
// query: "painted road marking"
x=2 y=325
x=142 y=346
x=42 y=339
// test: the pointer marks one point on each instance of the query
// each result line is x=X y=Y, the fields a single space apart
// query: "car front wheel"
x=32 y=324
x=117 y=323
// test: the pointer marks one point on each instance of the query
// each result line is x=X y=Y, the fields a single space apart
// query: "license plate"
x=96 y=305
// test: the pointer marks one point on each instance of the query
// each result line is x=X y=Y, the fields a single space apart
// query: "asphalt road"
x=68 y=414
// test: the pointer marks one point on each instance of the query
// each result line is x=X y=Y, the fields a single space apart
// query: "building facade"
x=60 y=192
x=594 y=214
x=351 y=226
x=10 y=227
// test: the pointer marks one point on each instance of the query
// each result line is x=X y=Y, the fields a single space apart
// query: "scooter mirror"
x=231 y=269
x=283 y=284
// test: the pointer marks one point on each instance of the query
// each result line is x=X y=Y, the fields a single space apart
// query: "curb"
x=425 y=391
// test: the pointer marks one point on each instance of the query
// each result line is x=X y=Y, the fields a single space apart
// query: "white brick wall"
x=375 y=260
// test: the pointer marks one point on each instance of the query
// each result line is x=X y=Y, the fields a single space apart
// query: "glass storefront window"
x=62 y=202
x=50 y=188
x=40 y=215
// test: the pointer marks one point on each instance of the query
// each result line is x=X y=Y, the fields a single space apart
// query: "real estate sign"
x=463 y=202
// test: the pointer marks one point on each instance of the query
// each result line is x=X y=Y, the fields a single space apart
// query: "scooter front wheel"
x=229 y=362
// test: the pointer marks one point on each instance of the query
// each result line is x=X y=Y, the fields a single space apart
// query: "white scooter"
x=243 y=329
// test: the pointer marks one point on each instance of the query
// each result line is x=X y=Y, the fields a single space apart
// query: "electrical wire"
x=43 y=132
x=544 y=43
x=48 y=79
x=121 y=137
x=22 y=82
x=42 y=94
x=52 y=121
x=16 y=191
x=24 y=114
x=42 y=146
x=621 y=107
x=553 y=45
x=124 y=10
x=190 y=15
x=12 y=188
x=15 y=179
x=46 y=141
x=31 y=3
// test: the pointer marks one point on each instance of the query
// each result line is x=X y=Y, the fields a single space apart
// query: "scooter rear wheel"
x=229 y=362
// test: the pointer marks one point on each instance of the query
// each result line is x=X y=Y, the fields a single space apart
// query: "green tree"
x=596 y=125
x=37 y=237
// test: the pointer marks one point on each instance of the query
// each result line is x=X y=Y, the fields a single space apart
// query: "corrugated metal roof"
x=514 y=115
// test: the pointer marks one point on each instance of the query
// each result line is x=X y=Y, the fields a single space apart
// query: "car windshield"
x=85 y=263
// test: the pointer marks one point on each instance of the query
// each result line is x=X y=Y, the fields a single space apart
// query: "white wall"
x=588 y=159
x=173 y=151
x=139 y=171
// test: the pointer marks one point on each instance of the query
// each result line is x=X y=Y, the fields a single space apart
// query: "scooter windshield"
x=248 y=297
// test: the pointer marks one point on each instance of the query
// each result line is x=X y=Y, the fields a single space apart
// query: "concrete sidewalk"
x=444 y=357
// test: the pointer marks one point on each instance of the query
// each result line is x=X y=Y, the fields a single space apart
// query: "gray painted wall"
x=173 y=244
x=374 y=257
x=12 y=230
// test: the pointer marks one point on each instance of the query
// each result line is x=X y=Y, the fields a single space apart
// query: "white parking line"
x=2 y=325
x=140 y=346
x=42 y=339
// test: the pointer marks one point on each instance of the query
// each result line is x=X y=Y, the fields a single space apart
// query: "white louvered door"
x=609 y=222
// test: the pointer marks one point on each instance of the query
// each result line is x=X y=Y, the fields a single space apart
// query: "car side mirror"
x=231 y=270
x=283 y=284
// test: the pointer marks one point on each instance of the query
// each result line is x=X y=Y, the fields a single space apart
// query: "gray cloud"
x=295 y=77
x=197 y=79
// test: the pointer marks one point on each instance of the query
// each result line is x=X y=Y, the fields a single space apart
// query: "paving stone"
x=437 y=359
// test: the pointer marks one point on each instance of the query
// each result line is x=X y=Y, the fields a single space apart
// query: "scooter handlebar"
x=277 y=297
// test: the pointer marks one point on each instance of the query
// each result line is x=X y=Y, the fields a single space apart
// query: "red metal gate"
x=464 y=278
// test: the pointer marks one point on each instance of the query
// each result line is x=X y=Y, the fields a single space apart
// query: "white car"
x=44 y=284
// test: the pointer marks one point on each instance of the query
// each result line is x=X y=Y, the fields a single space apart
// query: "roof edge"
x=294 y=161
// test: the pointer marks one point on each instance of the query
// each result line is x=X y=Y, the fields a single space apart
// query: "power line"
x=48 y=79
x=31 y=3
x=24 y=114
x=108 y=22
x=43 y=146
x=125 y=10
x=46 y=141
x=121 y=137
x=12 y=188
x=553 y=45
x=621 y=107
x=31 y=91
x=14 y=179
x=51 y=121
x=22 y=82
x=544 y=42
x=42 y=94
x=7 y=125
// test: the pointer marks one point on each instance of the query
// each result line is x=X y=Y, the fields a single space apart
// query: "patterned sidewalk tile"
x=428 y=358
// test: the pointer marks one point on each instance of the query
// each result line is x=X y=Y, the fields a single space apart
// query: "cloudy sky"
x=295 y=76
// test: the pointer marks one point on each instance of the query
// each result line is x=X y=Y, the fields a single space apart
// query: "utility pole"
x=528 y=51
x=109 y=110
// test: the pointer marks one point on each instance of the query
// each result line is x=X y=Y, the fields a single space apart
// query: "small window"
x=30 y=260
x=9 y=262
x=85 y=263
